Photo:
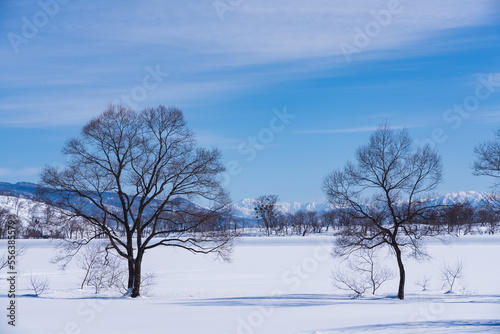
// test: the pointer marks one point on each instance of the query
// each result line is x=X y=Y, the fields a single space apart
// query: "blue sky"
x=232 y=65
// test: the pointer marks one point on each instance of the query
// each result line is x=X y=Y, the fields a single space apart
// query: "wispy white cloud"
x=211 y=139
x=263 y=31
x=344 y=130
x=30 y=171
x=99 y=52
x=352 y=130
x=490 y=115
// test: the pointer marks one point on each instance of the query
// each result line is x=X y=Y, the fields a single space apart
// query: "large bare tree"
x=147 y=164
x=385 y=192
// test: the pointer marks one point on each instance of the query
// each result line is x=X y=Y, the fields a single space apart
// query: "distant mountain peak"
x=245 y=207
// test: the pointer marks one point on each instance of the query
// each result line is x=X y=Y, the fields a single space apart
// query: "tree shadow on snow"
x=306 y=300
x=286 y=300
x=444 y=326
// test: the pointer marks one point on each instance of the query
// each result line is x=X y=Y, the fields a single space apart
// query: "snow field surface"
x=273 y=285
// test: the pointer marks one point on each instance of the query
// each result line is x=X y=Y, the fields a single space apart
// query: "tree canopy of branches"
x=488 y=164
x=385 y=192
x=266 y=209
x=488 y=158
x=147 y=162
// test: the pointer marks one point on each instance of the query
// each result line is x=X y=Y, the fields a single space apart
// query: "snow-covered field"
x=273 y=285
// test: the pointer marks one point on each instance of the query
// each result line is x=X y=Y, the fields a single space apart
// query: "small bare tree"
x=38 y=284
x=385 y=192
x=102 y=269
x=368 y=263
x=266 y=209
x=364 y=272
x=4 y=259
x=348 y=281
x=423 y=282
x=4 y=262
x=8 y=256
x=4 y=218
x=329 y=219
x=299 y=221
x=450 y=273
x=90 y=260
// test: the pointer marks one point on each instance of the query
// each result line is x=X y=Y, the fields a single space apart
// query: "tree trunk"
x=137 y=277
x=402 y=275
x=131 y=274
x=131 y=263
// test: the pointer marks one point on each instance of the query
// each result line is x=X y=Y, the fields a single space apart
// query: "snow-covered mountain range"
x=245 y=208
x=20 y=198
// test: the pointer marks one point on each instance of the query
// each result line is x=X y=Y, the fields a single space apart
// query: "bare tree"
x=13 y=228
x=299 y=222
x=282 y=224
x=368 y=263
x=102 y=269
x=385 y=193
x=489 y=218
x=89 y=260
x=128 y=176
x=38 y=284
x=349 y=281
x=488 y=164
x=312 y=222
x=423 y=282
x=329 y=219
x=488 y=158
x=364 y=272
x=450 y=273
x=458 y=217
x=4 y=259
x=266 y=209
x=4 y=218
x=19 y=205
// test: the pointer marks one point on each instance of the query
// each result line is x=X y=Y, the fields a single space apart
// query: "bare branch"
x=138 y=180
x=385 y=193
